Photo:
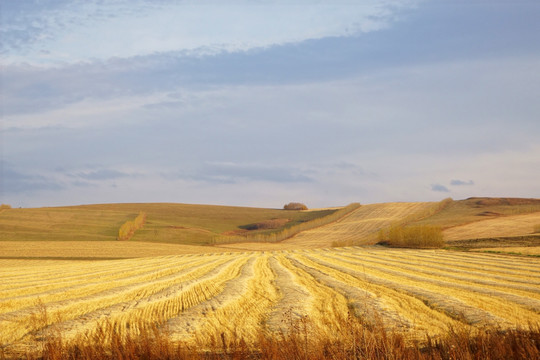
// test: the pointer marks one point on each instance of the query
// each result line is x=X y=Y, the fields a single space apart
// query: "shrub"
x=127 y=230
x=267 y=224
x=295 y=206
x=419 y=236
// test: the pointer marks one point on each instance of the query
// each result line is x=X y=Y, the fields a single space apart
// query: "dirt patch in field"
x=266 y=225
x=489 y=213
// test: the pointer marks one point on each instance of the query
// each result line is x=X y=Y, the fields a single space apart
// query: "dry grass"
x=197 y=298
x=502 y=226
x=359 y=227
x=354 y=340
x=42 y=250
x=166 y=223
x=462 y=212
x=518 y=250
x=419 y=236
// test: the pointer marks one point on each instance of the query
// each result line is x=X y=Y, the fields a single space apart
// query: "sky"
x=260 y=103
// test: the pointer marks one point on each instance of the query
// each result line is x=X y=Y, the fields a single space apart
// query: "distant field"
x=95 y=249
x=499 y=226
x=462 y=212
x=166 y=223
x=168 y=276
x=519 y=250
x=197 y=297
x=358 y=227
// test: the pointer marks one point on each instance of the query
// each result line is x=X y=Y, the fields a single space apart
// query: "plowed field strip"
x=449 y=305
x=502 y=284
x=295 y=298
x=496 y=302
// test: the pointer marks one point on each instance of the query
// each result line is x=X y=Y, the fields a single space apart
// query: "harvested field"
x=201 y=297
x=41 y=250
x=359 y=227
x=500 y=226
x=531 y=250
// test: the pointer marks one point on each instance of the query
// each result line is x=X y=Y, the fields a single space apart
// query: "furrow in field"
x=442 y=274
x=119 y=298
x=94 y=285
x=502 y=262
x=364 y=303
x=58 y=301
x=157 y=308
x=77 y=274
x=328 y=310
x=513 y=308
x=440 y=263
x=445 y=303
x=73 y=268
x=244 y=314
x=187 y=323
x=295 y=298
x=412 y=311
x=447 y=258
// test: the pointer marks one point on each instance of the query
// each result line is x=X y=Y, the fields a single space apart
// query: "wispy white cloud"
x=82 y=31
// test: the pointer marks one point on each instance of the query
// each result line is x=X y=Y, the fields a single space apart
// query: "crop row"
x=200 y=297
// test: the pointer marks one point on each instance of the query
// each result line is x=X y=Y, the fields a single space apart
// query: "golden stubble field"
x=197 y=297
x=197 y=294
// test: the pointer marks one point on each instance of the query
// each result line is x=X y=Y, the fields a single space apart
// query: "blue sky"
x=259 y=103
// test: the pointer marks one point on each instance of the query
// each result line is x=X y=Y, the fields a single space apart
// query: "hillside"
x=166 y=223
x=90 y=231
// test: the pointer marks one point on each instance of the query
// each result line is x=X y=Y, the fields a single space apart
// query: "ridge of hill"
x=185 y=224
x=88 y=231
